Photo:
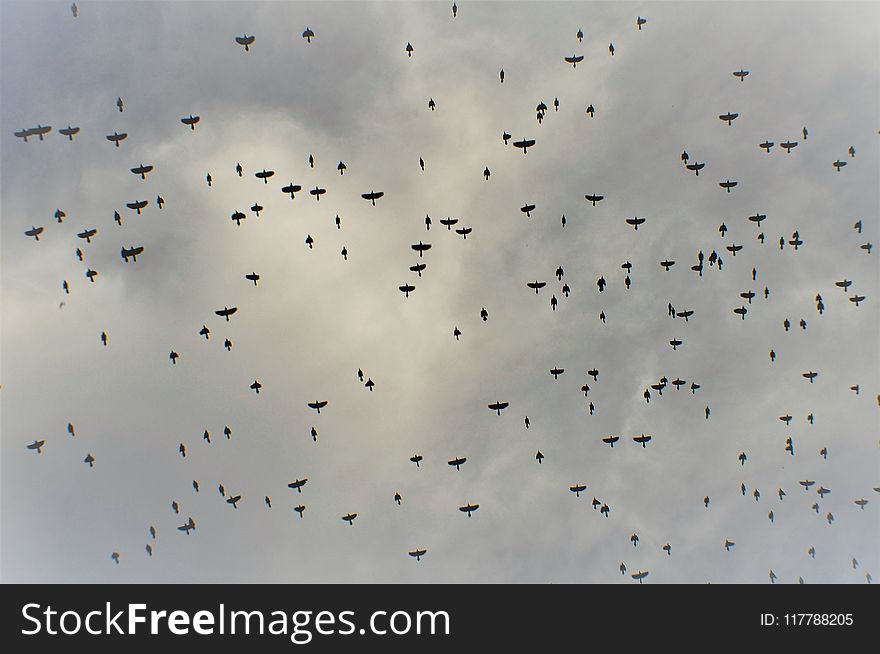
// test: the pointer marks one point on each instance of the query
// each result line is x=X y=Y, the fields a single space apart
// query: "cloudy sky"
x=314 y=319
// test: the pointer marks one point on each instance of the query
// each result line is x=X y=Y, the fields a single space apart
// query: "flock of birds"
x=701 y=264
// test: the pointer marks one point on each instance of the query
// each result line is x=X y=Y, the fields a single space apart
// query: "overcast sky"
x=314 y=319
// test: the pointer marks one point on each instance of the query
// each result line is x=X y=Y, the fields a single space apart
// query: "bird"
x=418 y=553
x=191 y=121
x=37 y=445
x=245 y=40
x=349 y=518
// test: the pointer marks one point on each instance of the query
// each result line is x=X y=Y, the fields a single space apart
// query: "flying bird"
x=245 y=40
x=225 y=312
x=291 y=188
x=37 y=445
x=116 y=138
x=524 y=144
x=421 y=248
x=264 y=175
x=317 y=405
x=642 y=440
x=499 y=406
x=191 y=121
x=372 y=196
x=349 y=518
x=69 y=132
